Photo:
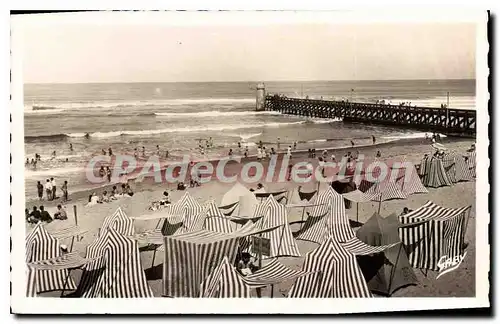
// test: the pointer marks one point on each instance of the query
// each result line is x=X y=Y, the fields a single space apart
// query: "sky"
x=120 y=52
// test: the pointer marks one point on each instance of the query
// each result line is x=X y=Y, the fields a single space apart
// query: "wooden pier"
x=447 y=121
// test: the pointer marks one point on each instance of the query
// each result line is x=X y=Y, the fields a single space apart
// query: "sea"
x=180 y=116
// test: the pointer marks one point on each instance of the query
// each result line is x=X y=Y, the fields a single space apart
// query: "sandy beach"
x=460 y=283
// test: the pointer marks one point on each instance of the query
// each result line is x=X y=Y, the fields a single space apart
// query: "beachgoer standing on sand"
x=239 y=145
x=230 y=152
x=103 y=151
x=379 y=154
x=108 y=173
x=39 y=188
x=102 y=172
x=27 y=162
x=135 y=153
x=246 y=151
x=53 y=183
x=352 y=143
x=110 y=151
x=289 y=152
x=278 y=143
x=373 y=139
x=259 y=153
x=71 y=147
x=64 y=189
x=333 y=157
x=143 y=151
x=294 y=145
x=158 y=150
x=166 y=154
x=325 y=154
x=48 y=189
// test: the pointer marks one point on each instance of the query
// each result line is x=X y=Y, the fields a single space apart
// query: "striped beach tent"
x=281 y=239
x=40 y=245
x=215 y=220
x=116 y=270
x=334 y=274
x=224 y=282
x=182 y=211
x=191 y=257
x=331 y=219
x=298 y=196
x=442 y=233
x=433 y=173
x=389 y=270
x=457 y=168
x=271 y=274
x=245 y=199
x=407 y=179
x=120 y=222
x=385 y=190
x=470 y=158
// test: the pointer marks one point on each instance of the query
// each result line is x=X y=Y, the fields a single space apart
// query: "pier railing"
x=445 y=120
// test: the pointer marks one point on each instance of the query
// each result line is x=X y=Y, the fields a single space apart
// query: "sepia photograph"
x=200 y=162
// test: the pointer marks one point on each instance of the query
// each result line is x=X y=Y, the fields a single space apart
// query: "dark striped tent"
x=334 y=274
x=281 y=239
x=40 y=245
x=433 y=173
x=120 y=222
x=470 y=159
x=326 y=219
x=191 y=257
x=457 y=168
x=382 y=191
x=224 y=282
x=407 y=179
x=116 y=270
x=389 y=270
x=271 y=274
x=442 y=233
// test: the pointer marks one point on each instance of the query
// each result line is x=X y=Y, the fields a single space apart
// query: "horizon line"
x=246 y=81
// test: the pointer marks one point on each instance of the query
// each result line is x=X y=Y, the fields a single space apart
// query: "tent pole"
x=65 y=282
x=393 y=271
x=272 y=291
x=379 y=205
x=71 y=246
x=357 y=212
x=302 y=218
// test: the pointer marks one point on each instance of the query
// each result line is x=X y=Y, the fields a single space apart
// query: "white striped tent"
x=40 y=245
x=457 y=168
x=120 y=222
x=216 y=220
x=433 y=172
x=281 y=239
x=30 y=282
x=298 y=196
x=280 y=196
x=183 y=210
x=191 y=257
x=331 y=219
x=116 y=270
x=385 y=190
x=245 y=199
x=228 y=210
x=442 y=233
x=224 y=282
x=335 y=274
x=408 y=180
x=271 y=274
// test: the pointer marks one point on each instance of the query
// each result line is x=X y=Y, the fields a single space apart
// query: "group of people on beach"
x=125 y=191
x=41 y=215
x=50 y=188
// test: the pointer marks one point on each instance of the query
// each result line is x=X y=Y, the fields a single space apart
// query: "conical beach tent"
x=389 y=270
x=116 y=271
x=456 y=168
x=224 y=282
x=245 y=199
x=433 y=173
x=40 y=245
x=120 y=222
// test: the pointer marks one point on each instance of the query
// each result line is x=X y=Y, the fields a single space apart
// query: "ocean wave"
x=322 y=120
x=410 y=136
x=61 y=137
x=44 y=111
x=30 y=174
x=216 y=113
x=132 y=103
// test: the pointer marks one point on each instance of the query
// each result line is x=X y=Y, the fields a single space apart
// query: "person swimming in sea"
x=71 y=147
x=86 y=136
x=53 y=155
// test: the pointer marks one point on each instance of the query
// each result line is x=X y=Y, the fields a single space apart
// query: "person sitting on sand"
x=259 y=154
x=406 y=210
x=230 y=152
x=244 y=265
x=181 y=186
x=104 y=197
x=124 y=189
x=53 y=155
x=129 y=190
x=61 y=213
x=93 y=200
x=44 y=215
x=34 y=216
